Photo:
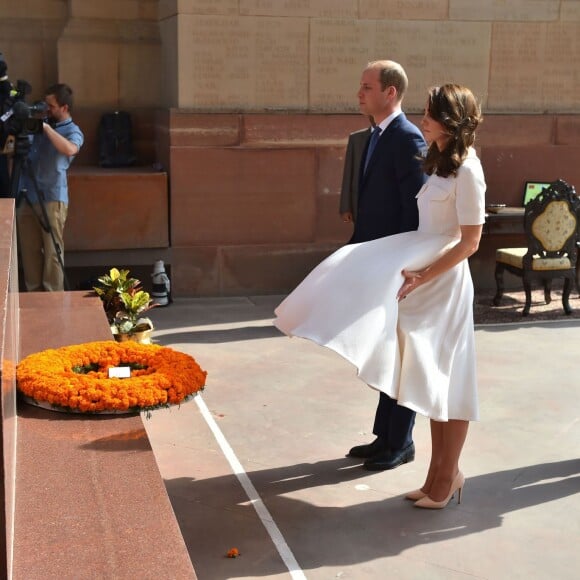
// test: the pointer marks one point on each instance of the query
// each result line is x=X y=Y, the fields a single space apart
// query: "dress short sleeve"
x=470 y=192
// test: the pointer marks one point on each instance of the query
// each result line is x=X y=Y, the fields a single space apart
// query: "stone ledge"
x=90 y=502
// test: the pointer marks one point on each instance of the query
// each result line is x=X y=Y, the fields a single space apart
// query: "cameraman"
x=45 y=181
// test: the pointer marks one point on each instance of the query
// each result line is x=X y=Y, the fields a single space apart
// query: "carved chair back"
x=551 y=226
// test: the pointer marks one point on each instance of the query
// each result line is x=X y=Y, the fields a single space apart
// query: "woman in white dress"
x=400 y=308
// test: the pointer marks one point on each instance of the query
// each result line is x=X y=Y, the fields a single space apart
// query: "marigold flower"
x=76 y=377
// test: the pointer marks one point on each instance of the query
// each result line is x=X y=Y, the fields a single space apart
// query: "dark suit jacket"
x=356 y=146
x=387 y=190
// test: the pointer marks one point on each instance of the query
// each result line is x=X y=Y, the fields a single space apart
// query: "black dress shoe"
x=390 y=459
x=365 y=451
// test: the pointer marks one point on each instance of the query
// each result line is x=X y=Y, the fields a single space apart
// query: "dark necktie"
x=372 y=144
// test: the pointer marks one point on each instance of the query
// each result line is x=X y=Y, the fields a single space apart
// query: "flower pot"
x=143 y=337
x=141 y=332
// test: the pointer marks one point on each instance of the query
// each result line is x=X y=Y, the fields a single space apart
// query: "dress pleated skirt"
x=421 y=350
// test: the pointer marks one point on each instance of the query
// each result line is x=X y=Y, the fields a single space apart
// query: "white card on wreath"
x=119 y=372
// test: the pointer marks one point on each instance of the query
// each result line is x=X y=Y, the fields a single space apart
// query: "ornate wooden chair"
x=551 y=228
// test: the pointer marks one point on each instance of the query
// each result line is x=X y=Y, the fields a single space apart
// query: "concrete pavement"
x=285 y=411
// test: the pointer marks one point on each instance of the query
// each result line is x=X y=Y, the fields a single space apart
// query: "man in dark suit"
x=390 y=177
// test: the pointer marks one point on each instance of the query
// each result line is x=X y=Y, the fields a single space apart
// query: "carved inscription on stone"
x=570 y=10
x=523 y=10
x=282 y=57
x=244 y=63
x=404 y=9
x=534 y=67
x=308 y=8
x=213 y=7
x=561 y=84
x=281 y=64
x=434 y=53
x=517 y=72
x=341 y=49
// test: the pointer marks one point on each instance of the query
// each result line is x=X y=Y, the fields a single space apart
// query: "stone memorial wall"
x=307 y=55
x=293 y=55
x=247 y=105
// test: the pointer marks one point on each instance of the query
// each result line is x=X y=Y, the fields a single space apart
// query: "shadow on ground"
x=386 y=528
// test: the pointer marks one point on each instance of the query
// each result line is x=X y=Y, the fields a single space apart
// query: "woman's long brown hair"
x=457 y=110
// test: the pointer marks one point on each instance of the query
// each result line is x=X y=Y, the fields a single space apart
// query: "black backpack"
x=116 y=140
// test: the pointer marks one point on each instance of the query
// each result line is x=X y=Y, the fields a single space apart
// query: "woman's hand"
x=412 y=280
x=467 y=246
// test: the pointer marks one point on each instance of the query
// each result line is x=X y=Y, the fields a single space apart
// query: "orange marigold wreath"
x=76 y=377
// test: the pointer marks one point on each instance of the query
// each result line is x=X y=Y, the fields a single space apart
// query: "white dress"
x=421 y=350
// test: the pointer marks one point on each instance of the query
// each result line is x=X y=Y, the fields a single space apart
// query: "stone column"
x=110 y=53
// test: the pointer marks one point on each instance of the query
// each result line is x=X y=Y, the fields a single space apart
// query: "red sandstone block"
x=568 y=130
x=269 y=269
x=284 y=129
x=508 y=168
x=329 y=225
x=516 y=130
x=8 y=221
x=117 y=209
x=162 y=139
x=330 y=168
x=195 y=271
x=208 y=130
x=415 y=119
x=5 y=261
x=237 y=196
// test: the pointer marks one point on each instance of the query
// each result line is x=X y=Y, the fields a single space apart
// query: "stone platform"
x=289 y=410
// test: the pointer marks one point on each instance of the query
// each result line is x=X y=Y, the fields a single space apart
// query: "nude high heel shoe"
x=456 y=486
x=415 y=495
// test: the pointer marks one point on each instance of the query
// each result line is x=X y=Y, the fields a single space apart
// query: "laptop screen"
x=532 y=189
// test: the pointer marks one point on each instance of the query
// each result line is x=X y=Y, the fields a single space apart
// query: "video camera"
x=17 y=116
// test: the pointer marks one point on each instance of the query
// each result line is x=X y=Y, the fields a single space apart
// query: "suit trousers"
x=40 y=263
x=394 y=423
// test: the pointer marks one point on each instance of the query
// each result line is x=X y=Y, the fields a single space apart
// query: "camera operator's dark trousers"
x=40 y=263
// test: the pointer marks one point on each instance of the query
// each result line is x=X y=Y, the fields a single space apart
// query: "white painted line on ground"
x=254 y=497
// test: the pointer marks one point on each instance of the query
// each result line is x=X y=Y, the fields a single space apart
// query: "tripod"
x=21 y=165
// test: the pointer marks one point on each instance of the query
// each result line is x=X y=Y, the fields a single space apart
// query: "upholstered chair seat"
x=515 y=257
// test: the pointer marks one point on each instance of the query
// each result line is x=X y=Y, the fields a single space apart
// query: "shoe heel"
x=456 y=487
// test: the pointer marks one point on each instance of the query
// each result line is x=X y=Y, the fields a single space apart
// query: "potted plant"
x=125 y=302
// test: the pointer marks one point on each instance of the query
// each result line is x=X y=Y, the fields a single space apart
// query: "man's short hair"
x=391 y=74
x=62 y=93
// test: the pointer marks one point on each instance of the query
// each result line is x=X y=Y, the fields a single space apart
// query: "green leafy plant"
x=124 y=302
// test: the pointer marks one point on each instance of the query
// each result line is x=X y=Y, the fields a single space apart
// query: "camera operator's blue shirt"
x=50 y=166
